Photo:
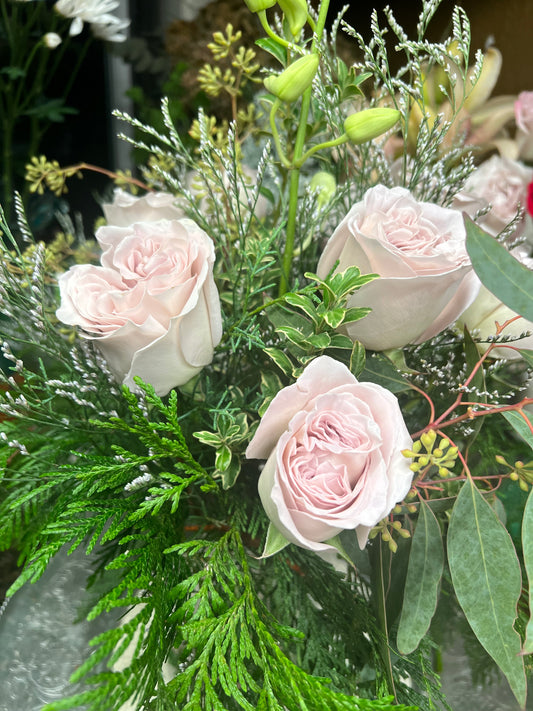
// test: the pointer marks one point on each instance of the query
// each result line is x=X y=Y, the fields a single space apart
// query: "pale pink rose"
x=418 y=249
x=333 y=450
x=481 y=317
x=523 y=110
x=503 y=184
x=127 y=209
x=153 y=307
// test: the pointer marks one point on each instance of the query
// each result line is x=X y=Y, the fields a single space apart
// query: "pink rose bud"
x=333 y=449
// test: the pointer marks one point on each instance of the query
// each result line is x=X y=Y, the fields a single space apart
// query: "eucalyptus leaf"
x=527 y=547
x=500 y=272
x=486 y=576
x=426 y=562
x=527 y=355
x=519 y=425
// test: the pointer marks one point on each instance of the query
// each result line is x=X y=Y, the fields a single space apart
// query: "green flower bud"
x=369 y=124
x=259 y=5
x=295 y=12
x=291 y=83
x=325 y=184
x=428 y=439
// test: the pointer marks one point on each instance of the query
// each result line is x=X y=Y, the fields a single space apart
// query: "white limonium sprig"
x=97 y=13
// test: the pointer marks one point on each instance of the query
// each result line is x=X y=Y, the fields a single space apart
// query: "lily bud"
x=291 y=83
x=259 y=5
x=295 y=12
x=371 y=123
x=325 y=184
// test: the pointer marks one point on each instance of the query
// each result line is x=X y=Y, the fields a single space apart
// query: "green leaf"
x=527 y=547
x=357 y=359
x=500 y=272
x=280 y=359
x=334 y=317
x=232 y=471
x=487 y=581
x=519 y=425
x=527 y=356
x=273 y=48
x=426 y=562
x=380 y=370
x=300 y=301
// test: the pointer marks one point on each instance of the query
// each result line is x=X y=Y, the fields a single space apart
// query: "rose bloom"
x=153 y=307
x=333 y=450
x=503 y=184
x=487 y=309
x=418 y=249
x=127 y=209
x=523 y=109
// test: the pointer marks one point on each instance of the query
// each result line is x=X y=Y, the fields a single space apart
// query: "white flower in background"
x=96 y=12
x=51 y=39
x=110 y=31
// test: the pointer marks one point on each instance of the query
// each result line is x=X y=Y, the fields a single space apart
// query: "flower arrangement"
x=283 y=397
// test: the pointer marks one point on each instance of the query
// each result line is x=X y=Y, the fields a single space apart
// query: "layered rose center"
x=148 y=259
x=328 y=453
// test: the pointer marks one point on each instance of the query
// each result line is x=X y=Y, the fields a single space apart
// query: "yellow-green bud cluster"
x=443 y=457
x=386 y=529
x=520 y=472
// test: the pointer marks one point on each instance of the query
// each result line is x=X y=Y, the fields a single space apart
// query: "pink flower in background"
x=523 y=110
x=418 y=249
x=503 y=183
x=153 y=306
x=333 y=449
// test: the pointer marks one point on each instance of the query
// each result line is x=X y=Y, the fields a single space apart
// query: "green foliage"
x=500 y=272
x=487 y=581
x=426 y=562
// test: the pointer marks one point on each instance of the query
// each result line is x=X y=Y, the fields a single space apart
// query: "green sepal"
x=275 y=542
